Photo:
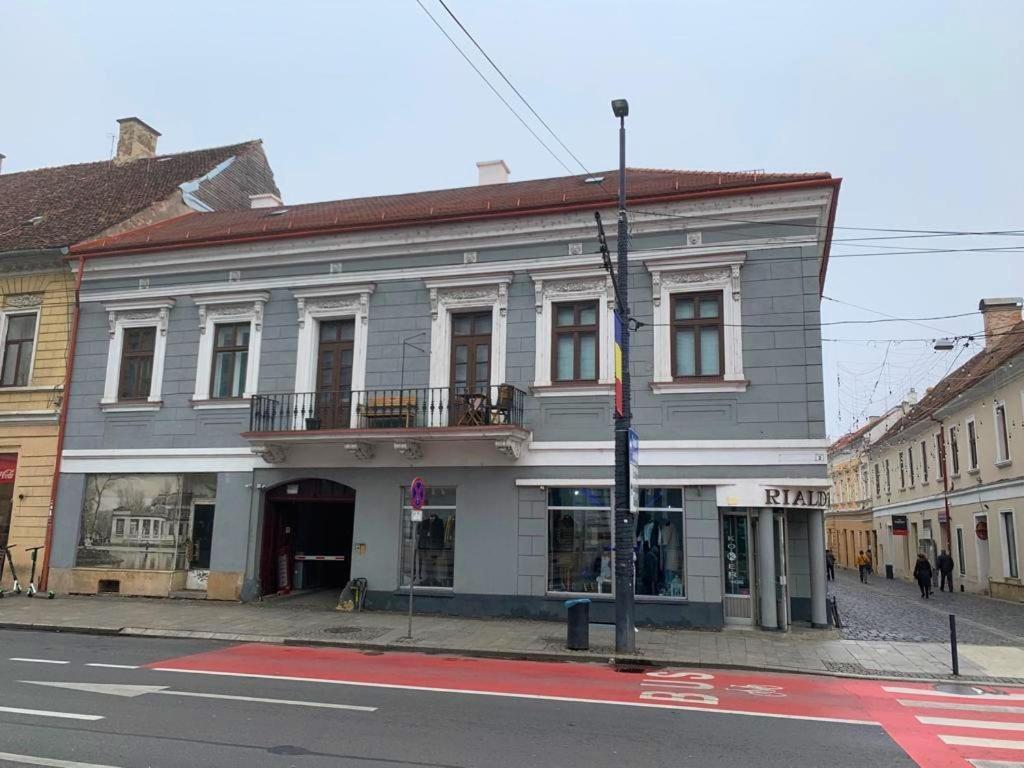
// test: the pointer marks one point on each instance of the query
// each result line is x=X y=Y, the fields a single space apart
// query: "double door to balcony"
x=470 y=373
x=334 y=374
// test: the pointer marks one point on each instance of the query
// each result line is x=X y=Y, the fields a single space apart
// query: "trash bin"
x=578 y=628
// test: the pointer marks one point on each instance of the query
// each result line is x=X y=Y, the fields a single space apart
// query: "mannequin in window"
x=671 y=557
x=431 y=542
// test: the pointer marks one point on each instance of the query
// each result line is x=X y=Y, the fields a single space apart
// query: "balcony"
x=406 y=418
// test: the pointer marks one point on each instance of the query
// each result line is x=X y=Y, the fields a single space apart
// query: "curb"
x=628 y=663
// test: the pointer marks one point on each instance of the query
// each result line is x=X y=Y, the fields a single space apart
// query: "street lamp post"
x=625 y=526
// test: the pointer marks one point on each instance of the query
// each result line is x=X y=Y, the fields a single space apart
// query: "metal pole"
x=625 y=526
x=412 y=576
x=952 y=645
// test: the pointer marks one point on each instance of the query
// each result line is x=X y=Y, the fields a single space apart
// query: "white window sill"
x=1004 y=463
x=572 y=390
x=33 y=388
x=694 y=387
x=131 y=407
x=974 y=471
x=220 y=405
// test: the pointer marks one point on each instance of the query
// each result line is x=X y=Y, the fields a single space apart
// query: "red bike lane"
x=937 y=726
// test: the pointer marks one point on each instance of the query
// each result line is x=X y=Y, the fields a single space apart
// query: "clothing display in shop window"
x=658 y=555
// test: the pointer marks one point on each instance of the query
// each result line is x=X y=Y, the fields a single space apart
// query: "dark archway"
x=307 y=536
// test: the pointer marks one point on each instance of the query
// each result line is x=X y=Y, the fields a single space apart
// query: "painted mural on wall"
x=140 y=522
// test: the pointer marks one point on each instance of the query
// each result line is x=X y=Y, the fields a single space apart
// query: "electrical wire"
x=493 y=89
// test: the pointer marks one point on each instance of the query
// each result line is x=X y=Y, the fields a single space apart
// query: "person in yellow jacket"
x=862 y=565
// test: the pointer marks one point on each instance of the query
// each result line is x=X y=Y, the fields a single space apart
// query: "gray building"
x=255 y=391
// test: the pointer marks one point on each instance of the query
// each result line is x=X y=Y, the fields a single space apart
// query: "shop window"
x=19 y=339
x=1009 y=544
x=960 y=558
x=579 y=540
x=130 y=522
x=659 y=543
x=8 y=469
x=428 y=547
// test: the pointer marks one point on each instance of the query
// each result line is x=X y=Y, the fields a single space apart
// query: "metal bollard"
x=578 y=624
x=952 y=645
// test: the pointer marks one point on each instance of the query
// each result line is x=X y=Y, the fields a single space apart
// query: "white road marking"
x=290 y=702
x=113 y=666
x=962 y=707
x=996 y=763
x=985 y=725
x=39 y=661
x=48 y=762
x=972 y=741
x=533 y=696
x=975 y=696
x=47 y=713
x=132 y=691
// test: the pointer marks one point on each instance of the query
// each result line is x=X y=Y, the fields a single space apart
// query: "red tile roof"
x=1000 y=349
x=78 y=202
x=851 y=437
x=465 y=203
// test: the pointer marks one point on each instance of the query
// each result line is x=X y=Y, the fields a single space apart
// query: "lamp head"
x=620 y=107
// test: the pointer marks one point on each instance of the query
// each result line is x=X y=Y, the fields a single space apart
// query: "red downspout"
x=44 y=576
x=945 y=486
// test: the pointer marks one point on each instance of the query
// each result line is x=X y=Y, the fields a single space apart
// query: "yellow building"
x=848 y=521
x=950 y=474
x=42 y=213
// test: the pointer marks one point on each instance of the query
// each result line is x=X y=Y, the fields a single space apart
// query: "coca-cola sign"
x=8 y=465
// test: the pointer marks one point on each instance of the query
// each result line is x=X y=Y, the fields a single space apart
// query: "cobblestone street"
x=893 y=610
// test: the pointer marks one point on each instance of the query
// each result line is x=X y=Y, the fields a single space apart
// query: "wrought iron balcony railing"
x=405 y=408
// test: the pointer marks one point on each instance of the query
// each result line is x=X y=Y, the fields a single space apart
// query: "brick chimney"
x=492 y=172
x=1000 y=316
x=2 y=158
x=135 y=139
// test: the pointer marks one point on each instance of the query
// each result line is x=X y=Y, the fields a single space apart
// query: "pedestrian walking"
x=945 y=565
x=871 y=561
x=830 y=565
x=862 y=567
x=923 y=574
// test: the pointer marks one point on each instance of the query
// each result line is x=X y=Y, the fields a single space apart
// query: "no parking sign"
x=417 y=498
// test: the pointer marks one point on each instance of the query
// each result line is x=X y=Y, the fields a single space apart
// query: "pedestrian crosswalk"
x=982 y=726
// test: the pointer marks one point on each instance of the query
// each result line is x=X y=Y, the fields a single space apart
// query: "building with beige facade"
x=950 y=474
x=849 y=527
x=42 y=213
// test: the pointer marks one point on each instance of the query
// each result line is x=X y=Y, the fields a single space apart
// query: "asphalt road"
x=387 y=727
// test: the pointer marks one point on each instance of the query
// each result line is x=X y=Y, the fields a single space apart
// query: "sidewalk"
x=310 y=619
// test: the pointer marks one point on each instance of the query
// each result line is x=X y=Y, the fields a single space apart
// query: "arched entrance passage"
x=307 y=536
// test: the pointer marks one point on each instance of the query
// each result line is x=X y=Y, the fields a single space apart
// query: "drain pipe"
x=44 y=576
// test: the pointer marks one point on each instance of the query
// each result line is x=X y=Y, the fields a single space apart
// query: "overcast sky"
x=916 y=105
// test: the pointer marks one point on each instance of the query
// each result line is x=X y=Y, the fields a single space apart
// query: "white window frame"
x=674 y=275
x=556 y=286
x=941 y=451
x=924 y=461
x=1009 y=515
x=1002 y=445
x=220 y=309
x=466 y=294
x=973 y=457
x=953 y=450
x=5 y=316
x=315 y=305
x=136 y=314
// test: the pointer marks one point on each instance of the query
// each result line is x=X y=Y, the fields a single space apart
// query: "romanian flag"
x=620 y=409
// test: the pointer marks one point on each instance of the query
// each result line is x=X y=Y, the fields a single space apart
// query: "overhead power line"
x=493 y=89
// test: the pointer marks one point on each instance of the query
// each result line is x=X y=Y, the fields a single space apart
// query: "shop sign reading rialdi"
x=813 y=498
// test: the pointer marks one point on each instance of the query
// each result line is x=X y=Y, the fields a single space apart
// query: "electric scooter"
x=16 y=586
x=32 y=591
